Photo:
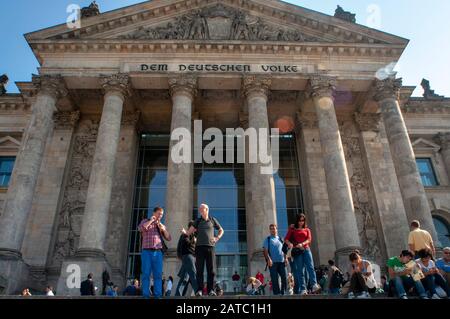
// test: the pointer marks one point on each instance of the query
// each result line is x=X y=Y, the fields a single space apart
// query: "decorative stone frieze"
x=66 y=119
x=368 y=121
x=52 y=85
x=183 y=84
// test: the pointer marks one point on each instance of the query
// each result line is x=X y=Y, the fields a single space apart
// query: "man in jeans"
x=204 y=250
x=400 y=275
x=153 y=232
x=276 y=260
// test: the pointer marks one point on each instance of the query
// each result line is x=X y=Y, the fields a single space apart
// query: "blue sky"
x=426 y=24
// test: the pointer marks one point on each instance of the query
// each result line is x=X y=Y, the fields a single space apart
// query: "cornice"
x=13 y=104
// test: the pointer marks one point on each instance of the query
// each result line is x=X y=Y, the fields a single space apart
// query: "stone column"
x=95 y=218
x=90 y=256
x=19 y=198
x=178 y=210
x=389 y=212
x=338 y=185
x=414 y=197
x=444 y=140
x=259 y=187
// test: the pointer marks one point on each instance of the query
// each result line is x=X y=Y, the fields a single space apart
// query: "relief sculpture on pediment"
x=219 y=23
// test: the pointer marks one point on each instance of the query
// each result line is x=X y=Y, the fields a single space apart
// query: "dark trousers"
x=187 y=274
x=430 y=282
x=205 y=255
x=278 y=269
x=358 y=283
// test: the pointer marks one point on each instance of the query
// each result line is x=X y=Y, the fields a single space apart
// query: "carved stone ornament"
x=52 y=85
x=443 y=139
x=131 y=118
x=340 y=13
x=368 y=121
x=3 y=82
x=256 y=84
x=116 y=83
x=183 y=84
x=387 y=88
x=220 y=23
x=322 y=86
x=428 y=93
x=90 y=11
x=66 y=119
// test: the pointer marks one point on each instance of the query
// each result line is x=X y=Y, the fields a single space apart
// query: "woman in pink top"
x=299 y=239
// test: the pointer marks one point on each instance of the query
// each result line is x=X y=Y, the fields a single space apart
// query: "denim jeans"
x=187 y=272
x=278 y=269
x=430 y=282
x=152 y=264
x=304 y=262
x=293 y=271
x=334 y=291
x=401 y=282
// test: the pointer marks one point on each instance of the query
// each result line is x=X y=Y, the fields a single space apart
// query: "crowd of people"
x=289 y=261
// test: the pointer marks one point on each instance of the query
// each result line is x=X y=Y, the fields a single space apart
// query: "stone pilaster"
x=38 y=239
x=338 y=185
x=415 y=200
x=179 y=195
x=443 y=139
x=19 y=198
x=390 y=216
x=90 y=255
x=259 y=187
x=315 y=187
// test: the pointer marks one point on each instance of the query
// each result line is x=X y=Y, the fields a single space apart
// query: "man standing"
x=276 y=260
x=87 y=287
x=419 y=239
x=153 y=234
x=204 y=250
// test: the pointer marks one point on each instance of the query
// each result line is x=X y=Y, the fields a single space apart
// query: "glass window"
x=426 y=172
x=6 y=168
x=443 y=231
x=150 y=191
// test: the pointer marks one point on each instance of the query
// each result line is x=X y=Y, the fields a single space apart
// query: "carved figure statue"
x=239 y=28
x=199 y=27
x=428 y=93
x=3 y=82
x=90 y=11
x=340 y=13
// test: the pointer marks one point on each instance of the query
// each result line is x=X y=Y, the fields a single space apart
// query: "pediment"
x=9 y=142
x=212 y=20
x=422 y=144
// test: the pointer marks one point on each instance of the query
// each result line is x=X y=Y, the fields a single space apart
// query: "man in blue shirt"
x=443 y=264
x=276 y=260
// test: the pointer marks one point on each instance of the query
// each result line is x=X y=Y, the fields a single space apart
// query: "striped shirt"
x=151 y=239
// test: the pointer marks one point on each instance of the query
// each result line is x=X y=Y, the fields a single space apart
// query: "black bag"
x=164 y=246
x=180 y=247
x=337 y=279
x=297 y=252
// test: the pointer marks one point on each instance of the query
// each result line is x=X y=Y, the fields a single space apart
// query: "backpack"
x=337 y=279
x=284 y=249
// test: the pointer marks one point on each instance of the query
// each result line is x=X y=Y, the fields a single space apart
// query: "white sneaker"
x=212 y=293
x=303 y=293
x=316 y=289
x=199 y=294
x=364 y=295
x=351 y=295
x=404 y=297
x=435 y=296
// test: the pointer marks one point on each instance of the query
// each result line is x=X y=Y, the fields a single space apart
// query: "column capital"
x=443 y=139
x=322 y=86
x=66 y=119
x=387 y=88
x=52 y=85
x=117 y=83
x=183 y=84
x=256 y=84
x=368 y=121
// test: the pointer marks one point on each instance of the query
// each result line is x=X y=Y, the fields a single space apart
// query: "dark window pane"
x=426 y=171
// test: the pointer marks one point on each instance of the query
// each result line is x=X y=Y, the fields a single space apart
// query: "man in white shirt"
x=49 y=291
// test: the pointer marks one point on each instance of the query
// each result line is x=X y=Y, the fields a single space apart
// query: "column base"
x=14 y=272
x=341 y=257
x=75 y=270
x=171 y=267
x=258 y=263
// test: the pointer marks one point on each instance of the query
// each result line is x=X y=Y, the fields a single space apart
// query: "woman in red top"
x=299 y=239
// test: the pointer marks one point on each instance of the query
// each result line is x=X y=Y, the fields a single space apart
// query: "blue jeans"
x=304 y=262
x=275 y=270
x=152 y=263
x=293 y=271
x=334 y=291
x=430 y=282
x=401 y=282
x=187 y=272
